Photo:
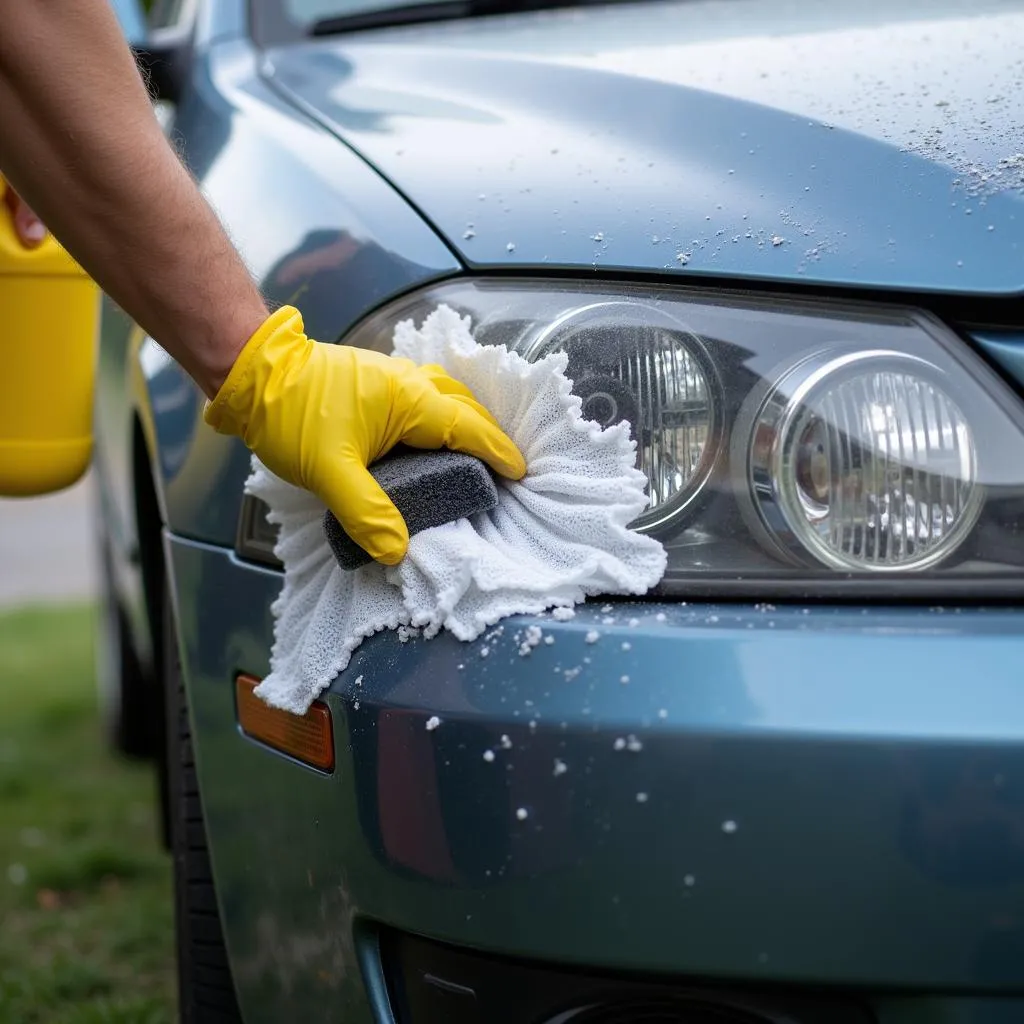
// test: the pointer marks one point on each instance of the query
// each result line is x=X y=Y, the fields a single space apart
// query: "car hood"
x=749 y=139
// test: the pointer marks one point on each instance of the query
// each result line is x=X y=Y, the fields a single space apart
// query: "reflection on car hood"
x=744 y=138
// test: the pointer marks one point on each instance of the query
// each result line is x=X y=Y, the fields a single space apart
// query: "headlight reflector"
x=636 y=362
x=865 y=462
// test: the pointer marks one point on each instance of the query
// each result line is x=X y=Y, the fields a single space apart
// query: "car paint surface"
x=870 y=145
x=848 y=819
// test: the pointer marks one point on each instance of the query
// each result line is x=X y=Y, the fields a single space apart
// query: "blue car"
x=786 y=243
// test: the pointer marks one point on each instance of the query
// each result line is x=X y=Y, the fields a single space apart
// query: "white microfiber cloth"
x=556 y=537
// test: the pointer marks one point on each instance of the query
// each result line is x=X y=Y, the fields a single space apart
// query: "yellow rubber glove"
x=317 y=415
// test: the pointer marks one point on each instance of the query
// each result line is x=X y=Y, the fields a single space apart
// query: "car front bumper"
x=795 y=796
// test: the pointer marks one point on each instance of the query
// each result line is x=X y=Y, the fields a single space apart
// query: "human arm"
x=81 y=144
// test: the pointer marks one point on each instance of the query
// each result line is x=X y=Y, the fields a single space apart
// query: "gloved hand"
x=317 y=415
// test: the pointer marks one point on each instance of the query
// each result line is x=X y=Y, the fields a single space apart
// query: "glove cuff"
x=230 y=409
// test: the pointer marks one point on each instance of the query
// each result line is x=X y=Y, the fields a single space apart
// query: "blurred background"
x=85 y=887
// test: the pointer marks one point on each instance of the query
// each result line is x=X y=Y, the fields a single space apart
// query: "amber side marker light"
x=308 y=738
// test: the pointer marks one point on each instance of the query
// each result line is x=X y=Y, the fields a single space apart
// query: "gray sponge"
x=429 y=488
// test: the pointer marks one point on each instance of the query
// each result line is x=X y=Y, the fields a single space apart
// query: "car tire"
x=206 y=991
x=125 y=699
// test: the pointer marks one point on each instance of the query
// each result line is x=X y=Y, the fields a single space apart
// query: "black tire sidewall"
x=206 y=993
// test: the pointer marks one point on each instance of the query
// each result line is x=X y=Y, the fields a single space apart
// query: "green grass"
x=85 y=890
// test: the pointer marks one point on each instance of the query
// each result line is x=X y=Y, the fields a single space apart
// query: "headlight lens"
x=863 y=461
x=636 y=362
x=787 y=444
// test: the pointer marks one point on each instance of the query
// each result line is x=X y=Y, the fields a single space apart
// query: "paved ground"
x=46 y=549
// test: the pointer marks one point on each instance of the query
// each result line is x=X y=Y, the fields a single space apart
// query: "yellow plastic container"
x=49 y=316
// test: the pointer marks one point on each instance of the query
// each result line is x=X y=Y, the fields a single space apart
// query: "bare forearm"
x=81 y=143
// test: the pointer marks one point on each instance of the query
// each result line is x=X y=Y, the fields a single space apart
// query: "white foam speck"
x=560 y=767
x=641 y=798
x=660 y=617
x=432 y=723
x=488 y=755
x=729 y=827
x=549 y=640
x=534 y=635
x=619 y=744
x=563 y=614
x=359 y=681
x=522 y=814
x=626 y=645
x=662 y=713
x=633 y=744
x=689 y=880
x=633 y=623
x=506 y=743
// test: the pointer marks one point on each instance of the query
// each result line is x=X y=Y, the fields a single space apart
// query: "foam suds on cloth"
x=556 y=537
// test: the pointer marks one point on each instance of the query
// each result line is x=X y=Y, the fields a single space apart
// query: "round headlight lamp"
x=636 y=362
x=864 y=461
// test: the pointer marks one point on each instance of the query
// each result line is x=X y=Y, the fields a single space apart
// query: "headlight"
x=791 y=446
x=635 y=362
x=863 y=461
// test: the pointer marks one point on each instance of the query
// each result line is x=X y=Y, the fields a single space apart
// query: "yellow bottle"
x=49 y=316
